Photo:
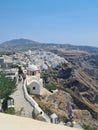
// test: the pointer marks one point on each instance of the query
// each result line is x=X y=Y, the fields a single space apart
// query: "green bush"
x=50 y=86
x=87 y=127
x=28 y=89
x=10 y=110
x=4 y=104
x=20 y=71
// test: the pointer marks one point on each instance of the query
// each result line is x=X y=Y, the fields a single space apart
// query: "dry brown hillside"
x=75 y=84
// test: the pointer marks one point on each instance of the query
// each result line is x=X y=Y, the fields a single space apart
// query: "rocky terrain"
x=74 y=86
x=79 y=79
x=76 y=81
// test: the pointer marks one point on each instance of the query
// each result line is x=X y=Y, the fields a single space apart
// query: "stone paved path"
x=22 y=107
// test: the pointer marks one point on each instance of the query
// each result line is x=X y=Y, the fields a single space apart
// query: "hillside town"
x=26 y=68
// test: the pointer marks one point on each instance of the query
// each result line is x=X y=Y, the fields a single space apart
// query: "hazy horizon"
x=50 y=21
x=48 y=42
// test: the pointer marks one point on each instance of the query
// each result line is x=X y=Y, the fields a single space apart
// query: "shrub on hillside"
x=87 y=127
x=50 y=86
x=10 y=110
x=28 y=89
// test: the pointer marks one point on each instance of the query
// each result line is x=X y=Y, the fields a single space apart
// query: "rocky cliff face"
x=78 y=81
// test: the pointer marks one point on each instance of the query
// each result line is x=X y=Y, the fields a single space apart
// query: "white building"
x=36 y=86
x=5 y=61
x=12 y=74
x=34 y=80
x=54 y=118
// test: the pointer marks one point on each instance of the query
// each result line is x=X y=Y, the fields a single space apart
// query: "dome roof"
x=32 y=67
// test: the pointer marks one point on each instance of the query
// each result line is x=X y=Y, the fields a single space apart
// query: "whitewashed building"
x=33 y=80
x=12 y=74
x=54 y=118
x=6 y=61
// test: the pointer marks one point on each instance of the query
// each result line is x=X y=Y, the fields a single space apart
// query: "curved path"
x=22 y=106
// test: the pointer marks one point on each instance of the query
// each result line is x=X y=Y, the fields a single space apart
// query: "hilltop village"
x=40 y=94
x=27 y=68
x=31 y=64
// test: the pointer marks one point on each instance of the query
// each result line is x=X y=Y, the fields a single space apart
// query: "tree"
x=20 y=71
x=6 y=86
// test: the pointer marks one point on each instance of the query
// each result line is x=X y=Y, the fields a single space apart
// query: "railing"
x=37 y=109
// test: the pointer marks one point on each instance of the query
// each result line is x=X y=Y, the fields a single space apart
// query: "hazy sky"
x=60 y=21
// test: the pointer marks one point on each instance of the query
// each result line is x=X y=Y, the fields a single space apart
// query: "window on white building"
x=34 y=88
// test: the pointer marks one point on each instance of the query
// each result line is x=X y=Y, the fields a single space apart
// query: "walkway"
x=22 y=107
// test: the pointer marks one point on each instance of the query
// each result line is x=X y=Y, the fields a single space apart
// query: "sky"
x=52 y=21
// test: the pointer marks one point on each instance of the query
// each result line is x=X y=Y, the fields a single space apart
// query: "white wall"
x=37 y=109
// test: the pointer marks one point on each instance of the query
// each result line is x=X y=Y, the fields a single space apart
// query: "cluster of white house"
x=34 y=82
x=44 y=59
x=32 y=62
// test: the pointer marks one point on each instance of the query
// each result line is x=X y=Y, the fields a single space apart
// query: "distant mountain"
x=88 y=48
x=18 y=43
x=25 y=44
